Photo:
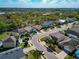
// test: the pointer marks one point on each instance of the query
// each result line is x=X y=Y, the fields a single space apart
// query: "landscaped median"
x=43 y=38
x=50 y=44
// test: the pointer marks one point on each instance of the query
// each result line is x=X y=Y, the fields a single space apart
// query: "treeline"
x=9 y=22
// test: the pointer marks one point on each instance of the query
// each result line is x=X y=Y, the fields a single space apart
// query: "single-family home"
x=69 y=45
x=15 y=53
x=47 y=24
x=74 y=30
x=19 y=31
x=10 y=42
x=58 y=37
x=29 y=29
x=37 y=27
x=69 y=20
x=61 y=21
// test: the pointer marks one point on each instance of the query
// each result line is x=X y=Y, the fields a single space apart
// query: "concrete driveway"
x=26 y=50
x=61 y=55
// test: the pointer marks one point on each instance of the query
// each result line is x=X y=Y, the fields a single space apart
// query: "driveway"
x=26 y=50
x=61 y=55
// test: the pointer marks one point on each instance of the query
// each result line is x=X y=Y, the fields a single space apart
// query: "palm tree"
x=51 y=43
x=37 y=54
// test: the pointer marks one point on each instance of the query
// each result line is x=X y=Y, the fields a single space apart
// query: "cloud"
x=39 y=3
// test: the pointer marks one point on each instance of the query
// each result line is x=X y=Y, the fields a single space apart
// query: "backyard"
x=4 y=35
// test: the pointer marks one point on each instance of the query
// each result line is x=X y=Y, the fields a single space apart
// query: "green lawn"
x=22 y=44
x=30 y=56
x=44 y=38
x=70 y=56
x=34 y=54
x=4 y=35
x=25 y=36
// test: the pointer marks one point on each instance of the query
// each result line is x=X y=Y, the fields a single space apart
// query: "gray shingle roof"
x=15 y=53
x=47 y=23
x=10 y=39
x=70 y=43
x=75 y=28
x=58 y=36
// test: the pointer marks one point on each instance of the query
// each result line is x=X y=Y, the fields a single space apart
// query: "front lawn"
x=25 y=45
x=30 y=56
x=25 y=36
x=71 y=56
x=34 y=54
x=4 y=35
x=51 y=44
x=43 y=38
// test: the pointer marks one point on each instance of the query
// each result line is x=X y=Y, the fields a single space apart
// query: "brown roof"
x=38 y=27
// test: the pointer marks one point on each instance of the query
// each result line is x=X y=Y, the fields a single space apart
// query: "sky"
x=39 y=3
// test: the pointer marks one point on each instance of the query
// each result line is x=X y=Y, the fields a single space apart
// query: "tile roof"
x=38 y=27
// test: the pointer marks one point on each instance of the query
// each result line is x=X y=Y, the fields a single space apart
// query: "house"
x=69 y=20
x=58 y=37
x=10 y=42
x=69 y=45
x=37 y=27
x=47 y=24
x=19 y=31
x=61 y=21
x=77 y=54
x=74 y=30
x=15 y=53
x=29 y=29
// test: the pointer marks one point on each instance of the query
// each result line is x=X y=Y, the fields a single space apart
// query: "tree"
x=37 y=54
